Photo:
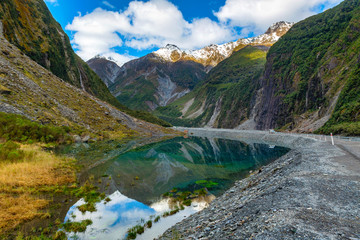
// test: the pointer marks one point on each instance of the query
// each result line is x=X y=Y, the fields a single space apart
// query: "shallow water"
x=139 y=177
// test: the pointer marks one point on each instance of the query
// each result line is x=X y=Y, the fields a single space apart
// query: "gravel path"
x=313 y=192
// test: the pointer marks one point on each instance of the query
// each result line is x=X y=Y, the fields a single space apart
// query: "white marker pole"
x=332 y=139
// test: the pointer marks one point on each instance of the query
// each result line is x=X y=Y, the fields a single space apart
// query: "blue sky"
x=125 y=30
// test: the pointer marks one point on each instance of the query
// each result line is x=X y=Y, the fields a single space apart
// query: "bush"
x=10 y=151
x=132 y=232
x=149 y=224
x=77 y=226
x=18 y=128
x=187 y=202
x=157 y=219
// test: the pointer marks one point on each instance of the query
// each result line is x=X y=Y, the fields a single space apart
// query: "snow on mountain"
x=213 y=54
x=273 y=34
x=169 y=52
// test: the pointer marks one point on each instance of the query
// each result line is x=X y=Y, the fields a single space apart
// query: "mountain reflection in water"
x=139 y=177
x=113 y=219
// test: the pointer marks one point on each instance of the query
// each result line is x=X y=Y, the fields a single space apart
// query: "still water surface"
x=138 y=177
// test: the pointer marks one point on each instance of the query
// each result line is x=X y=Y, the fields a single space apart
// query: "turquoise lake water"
x=138 y=177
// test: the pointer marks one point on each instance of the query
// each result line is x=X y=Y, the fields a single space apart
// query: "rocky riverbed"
x=313 y=192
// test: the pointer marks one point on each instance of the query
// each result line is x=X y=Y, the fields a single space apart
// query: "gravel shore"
x=313 y=192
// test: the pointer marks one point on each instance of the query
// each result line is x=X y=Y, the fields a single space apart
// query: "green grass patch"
x=77 y=226
x=206 y=183
x=18 y=128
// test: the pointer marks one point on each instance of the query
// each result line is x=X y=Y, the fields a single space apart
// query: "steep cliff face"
x=29 y=25
x=312 y=74
x=224 y=98
x=149 y=82
x=310 y=82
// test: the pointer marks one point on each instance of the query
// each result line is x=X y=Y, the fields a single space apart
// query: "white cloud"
x=52 y=1
x=259 y=14
x=155 y=23
x=142 y=25
x=106 y=3
x=204 y=32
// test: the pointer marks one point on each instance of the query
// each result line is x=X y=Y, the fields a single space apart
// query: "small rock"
x=86 y=138
x=77 y=138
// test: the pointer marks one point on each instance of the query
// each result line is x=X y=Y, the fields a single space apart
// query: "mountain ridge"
x=30 y=90
x=106 y=68
x=310 y=82
x=30 y=26
x=213 y=54
x=163 y=76
x=148 y=82
x=311 y=78
x=223 y=98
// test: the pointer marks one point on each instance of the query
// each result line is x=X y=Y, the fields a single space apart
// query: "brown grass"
x=16 y=210
x=38 y=170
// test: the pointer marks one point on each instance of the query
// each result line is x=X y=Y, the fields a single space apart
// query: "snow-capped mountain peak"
x=273 y=34
x=98 y=56
x=279 y=26
x=213 y=54
x=170 y=53
x=172 y=47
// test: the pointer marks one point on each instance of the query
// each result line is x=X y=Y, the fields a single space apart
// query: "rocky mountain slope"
x=310 y=82
x=150 y=81
x=106 y=69
x=223 y=99
x=28 y=89
x=170 y=72
x=30 y=26
x=312 y=75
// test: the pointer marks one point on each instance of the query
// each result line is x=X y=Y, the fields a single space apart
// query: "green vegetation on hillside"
x=311 y=72
x=18 y=128
x=233 y=81
x=30 y=26
x=138 y=86
x=311 y=64
x=346 y=116
x=135 y=95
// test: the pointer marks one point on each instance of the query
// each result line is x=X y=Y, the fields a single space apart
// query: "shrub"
x=157 y=219
x=77 y=226
x=132 y=232
x=10 y=151
x=149 y=224
x=187 y=202
x=18 y=128
x=175 y=211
